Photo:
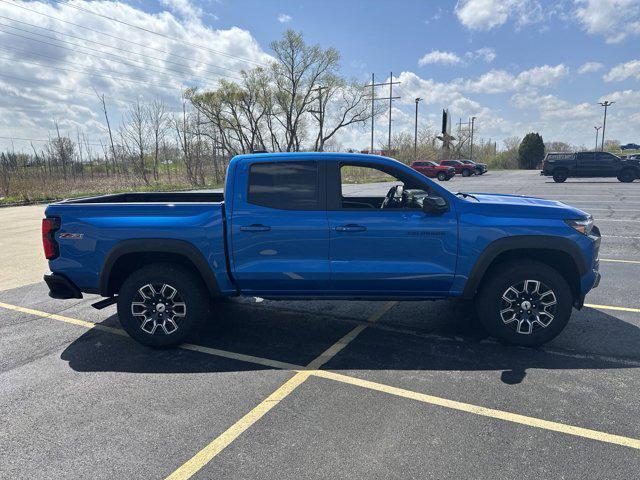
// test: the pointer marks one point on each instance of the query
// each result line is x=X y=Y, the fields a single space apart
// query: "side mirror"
x=434 y=205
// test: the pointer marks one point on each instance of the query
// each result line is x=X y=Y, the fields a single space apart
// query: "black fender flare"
x=158 y=245
x=518 y=242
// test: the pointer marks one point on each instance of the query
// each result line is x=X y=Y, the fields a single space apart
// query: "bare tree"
x=298 y=71
x=134 y=132
x=341 y=104
x=158 y=119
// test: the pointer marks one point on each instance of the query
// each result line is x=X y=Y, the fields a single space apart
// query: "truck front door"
x=382 y=245
x=279 y=229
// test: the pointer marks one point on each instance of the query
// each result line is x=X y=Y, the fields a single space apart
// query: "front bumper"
x=61 y=287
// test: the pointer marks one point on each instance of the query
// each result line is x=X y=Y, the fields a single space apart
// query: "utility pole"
x=320 y=117
x=597 y=130
x=473 y=119
x=390 y=104
x=373 y=100
x=390 y=98
x=605 y=104
x=415 y=133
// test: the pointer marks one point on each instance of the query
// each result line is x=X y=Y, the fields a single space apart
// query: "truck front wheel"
x=161 y=304
x=627 y=175
x=524 y=303
x=560 y=176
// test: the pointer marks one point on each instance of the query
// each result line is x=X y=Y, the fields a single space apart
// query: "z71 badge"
x=71 y=236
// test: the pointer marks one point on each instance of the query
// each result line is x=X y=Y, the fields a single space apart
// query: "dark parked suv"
x=480 y=167
x=561 y=166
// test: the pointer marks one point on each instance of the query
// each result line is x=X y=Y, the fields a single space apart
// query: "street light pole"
x=605 y=104
x=415 y=133
x=473 y=119
x=597 y=131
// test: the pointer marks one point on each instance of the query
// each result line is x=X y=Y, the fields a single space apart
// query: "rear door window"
x=285 y=185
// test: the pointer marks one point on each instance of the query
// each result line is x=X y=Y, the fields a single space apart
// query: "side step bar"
x=104 y=303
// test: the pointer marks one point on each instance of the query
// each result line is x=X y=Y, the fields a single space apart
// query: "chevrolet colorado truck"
x=561 y=166
x=288 y=227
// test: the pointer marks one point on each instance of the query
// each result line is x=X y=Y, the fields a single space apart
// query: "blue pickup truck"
x=288 y=227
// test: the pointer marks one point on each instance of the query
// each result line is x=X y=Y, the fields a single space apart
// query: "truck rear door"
x=279 y=229
x=390 y=250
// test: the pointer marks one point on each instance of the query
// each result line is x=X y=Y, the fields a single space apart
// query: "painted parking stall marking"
x=305 y=372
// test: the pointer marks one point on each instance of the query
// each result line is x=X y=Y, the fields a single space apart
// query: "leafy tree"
x=531 y=151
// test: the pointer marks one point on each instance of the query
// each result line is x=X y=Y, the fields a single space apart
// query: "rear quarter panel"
x=103 y=226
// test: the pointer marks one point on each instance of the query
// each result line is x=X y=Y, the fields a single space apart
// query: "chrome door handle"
x=255 y=228
x=351 y=228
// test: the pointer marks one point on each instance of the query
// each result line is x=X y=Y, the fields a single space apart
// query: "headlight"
x=583 y=225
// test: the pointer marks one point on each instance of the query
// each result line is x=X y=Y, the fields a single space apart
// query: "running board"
x=104 y=303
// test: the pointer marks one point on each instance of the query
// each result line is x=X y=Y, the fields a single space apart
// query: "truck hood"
x=552 y=207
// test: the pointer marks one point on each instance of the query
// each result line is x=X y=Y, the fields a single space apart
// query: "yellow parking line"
x=217 y=445
x=609 y=307
x=204 y=456
x=483 y=411
x=615 y=260
x=304 y=372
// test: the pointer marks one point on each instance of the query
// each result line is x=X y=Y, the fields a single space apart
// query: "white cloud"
x=284 y=18
x=623 y=71
x=488 y=14
x=184 y=8
x=543 y=76
x=436 y=56
x=485 y=53
x=494 y=81
x=499 y=81
x=40 y=83
x=613 y=19
x=590 y=67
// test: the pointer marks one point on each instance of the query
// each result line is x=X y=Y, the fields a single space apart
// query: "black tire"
x=559 y=176
x=442 y=176
x=525 y=329
x=627 y=175
x=466 y=172
x=188 y=307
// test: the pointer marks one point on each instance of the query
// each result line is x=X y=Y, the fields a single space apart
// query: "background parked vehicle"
x=561 y=166
x=460 y=168
x=433 y=170
x=630 y=146
x=480 y=167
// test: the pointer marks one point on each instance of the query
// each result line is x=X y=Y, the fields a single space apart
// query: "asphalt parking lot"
x=326 y=389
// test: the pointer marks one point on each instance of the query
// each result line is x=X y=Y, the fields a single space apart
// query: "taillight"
x=49 y=227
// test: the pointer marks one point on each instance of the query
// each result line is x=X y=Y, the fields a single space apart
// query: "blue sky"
x=518 y=65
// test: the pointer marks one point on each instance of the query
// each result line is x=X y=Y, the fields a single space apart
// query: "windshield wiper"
x=466 y=195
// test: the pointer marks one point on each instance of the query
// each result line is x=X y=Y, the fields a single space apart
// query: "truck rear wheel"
x=627 y=175
x=524 y=303
x=560 y=176
x=161 y=304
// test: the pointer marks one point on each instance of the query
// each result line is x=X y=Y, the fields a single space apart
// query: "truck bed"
x=152 y=197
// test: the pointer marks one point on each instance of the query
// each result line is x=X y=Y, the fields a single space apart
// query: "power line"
x=40 y=140
x=169 y=37
x=68 y=62
x=112 y=36
x=92 y=94
x=157 y=85
x=97 y=43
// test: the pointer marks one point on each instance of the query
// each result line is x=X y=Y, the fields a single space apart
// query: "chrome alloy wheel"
x=528 y=306
x=158 y=307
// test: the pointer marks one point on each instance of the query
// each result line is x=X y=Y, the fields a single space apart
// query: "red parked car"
x=433 y=170
x=461 y=168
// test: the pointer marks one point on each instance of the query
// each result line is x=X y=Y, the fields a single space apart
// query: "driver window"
x=365 y=187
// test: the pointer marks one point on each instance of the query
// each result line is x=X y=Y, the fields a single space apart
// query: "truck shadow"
x=443 y=342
